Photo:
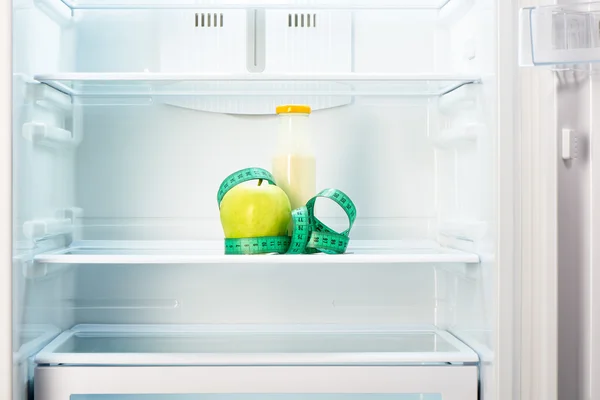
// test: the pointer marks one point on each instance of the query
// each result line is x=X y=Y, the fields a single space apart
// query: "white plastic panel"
x=134 y=37
x=203 y=41
x=451 y=382
x=47 y=135
x=396 y=42
x=310 y=41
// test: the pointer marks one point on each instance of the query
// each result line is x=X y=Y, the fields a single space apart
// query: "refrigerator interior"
x=128 y=115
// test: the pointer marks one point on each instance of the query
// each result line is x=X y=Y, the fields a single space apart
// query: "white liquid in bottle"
x=294 y=164
x=296 y=175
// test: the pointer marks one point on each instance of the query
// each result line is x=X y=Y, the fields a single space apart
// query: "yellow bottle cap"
x=293 y=109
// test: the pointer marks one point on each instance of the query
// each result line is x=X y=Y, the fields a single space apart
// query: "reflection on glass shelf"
x=285 y=4
x=254 y=345
x=560 y=35
x=163 y=84
x=207 y=252
x=260 y=396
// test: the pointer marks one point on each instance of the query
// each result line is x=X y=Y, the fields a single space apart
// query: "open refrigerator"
x=441 y=119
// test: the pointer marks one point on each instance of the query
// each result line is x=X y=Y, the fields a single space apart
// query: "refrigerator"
x=459 y=129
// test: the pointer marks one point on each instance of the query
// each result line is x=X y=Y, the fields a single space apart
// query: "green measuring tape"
x=309 y=234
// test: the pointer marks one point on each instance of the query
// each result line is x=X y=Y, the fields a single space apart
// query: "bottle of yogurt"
x=294 y=162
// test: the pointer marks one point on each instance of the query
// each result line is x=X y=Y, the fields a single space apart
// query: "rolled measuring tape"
x=309 y=234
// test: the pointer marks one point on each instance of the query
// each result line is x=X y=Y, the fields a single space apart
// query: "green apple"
x=255 y=209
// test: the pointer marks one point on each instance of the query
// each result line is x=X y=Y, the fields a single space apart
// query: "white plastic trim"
x=506 y=357
x=48 y=135
x=6 y=369
x=46 y=96
x=539 y=245
x=46 y=227
x=452 y=137
x=453 y=382
x=455 y=10
x=593 y=391
x=45 y=333
x=537 y=293
x=463 y=99
x=56 y=10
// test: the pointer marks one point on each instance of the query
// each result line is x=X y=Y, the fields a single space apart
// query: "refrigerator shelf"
x=174 y=85
x=211 y=252
x=564 y=36
x=253 y=345
x=271 y=4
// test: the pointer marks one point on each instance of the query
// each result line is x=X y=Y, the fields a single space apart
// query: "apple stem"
x=260 y=181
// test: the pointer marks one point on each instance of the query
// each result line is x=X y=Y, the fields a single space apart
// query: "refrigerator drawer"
x=250 y=383
x=282 y=362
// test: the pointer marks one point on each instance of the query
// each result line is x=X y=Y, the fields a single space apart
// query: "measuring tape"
x=309 y=234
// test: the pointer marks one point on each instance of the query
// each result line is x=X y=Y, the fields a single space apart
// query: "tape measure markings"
x=300 y=231
x=259 y=245
x=329 y=243
x=309 y=234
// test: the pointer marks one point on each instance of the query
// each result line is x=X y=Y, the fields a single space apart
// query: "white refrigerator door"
x=577 y=105
x=565 y=37
x=5 y=200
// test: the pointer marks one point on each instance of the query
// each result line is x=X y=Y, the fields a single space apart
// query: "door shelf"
x=560 y=35
x=104 y=345
x=174 y=85
x=271 y=4
x=211 y=252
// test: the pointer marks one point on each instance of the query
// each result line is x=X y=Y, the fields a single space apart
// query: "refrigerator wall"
x=6 y=346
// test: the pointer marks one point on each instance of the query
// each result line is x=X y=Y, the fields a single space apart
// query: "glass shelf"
x=272 y=4
x=172 y=85
x=254 y=345
x=560 y=35
x=211 y=252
